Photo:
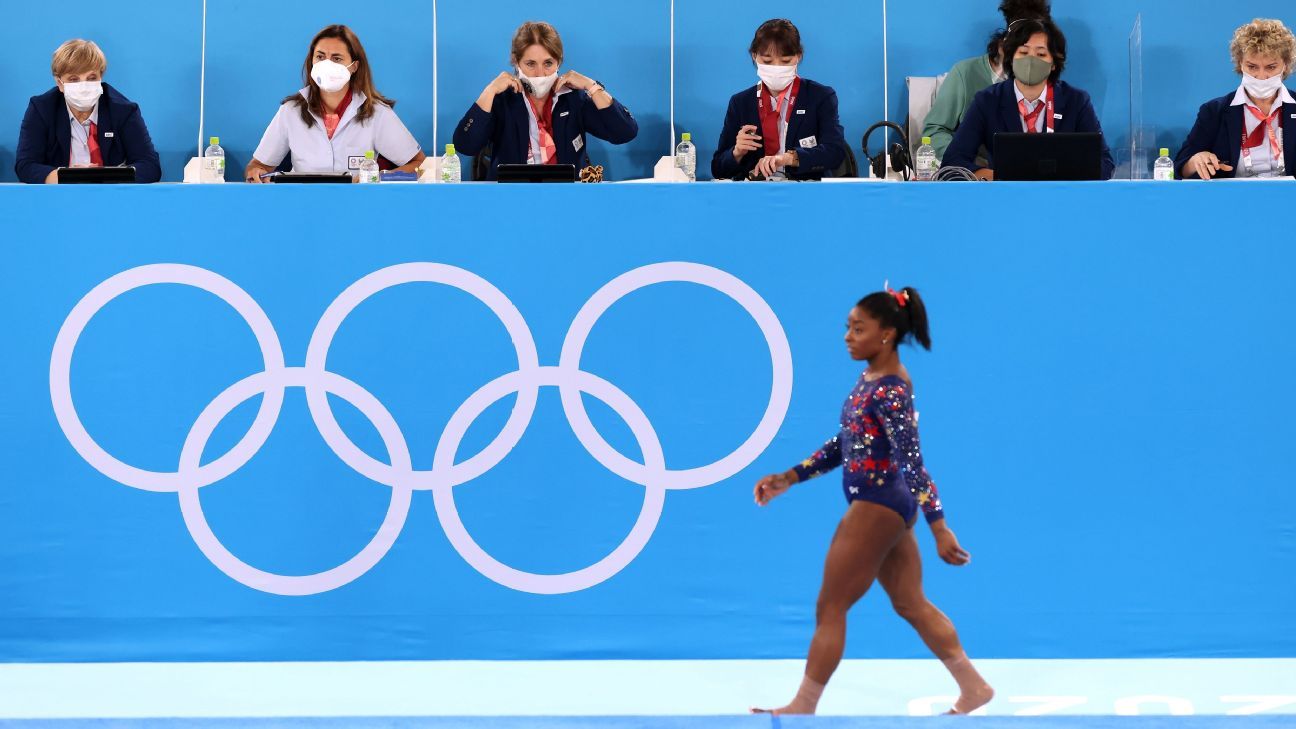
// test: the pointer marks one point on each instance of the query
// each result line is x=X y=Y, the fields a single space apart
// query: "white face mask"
x=1261 y=89
x=540 y=85
x=83 y=95
x=776 y=78
x=330 y=76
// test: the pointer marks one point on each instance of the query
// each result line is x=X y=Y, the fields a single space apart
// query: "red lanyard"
x=772 y=114
x=1031 y=118
x=1267 y=126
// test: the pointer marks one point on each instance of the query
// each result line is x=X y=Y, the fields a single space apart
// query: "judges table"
x=493 y=421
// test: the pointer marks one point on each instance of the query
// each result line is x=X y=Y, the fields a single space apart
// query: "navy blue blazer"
x=1219 y=130
x=994 y=111
x=814 y=115
x=45 y=140
x=507 y=128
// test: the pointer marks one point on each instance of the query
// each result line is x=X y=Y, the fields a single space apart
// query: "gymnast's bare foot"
x=806 y=701
x=973 y=699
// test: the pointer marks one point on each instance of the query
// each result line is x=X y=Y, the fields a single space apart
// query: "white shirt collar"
x=92 y=119
x=1022 y=97
x=1241 y=98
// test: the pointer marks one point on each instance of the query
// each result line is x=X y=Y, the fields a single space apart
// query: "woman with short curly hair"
x=1241 y=134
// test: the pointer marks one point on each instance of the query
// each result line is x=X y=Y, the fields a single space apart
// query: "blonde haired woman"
x=83 y=122
x=539 y=116
x=329 y=125
x=1243 y=133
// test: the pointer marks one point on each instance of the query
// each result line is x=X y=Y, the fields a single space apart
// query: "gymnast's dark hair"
x=1013 y=12
x=909 y=321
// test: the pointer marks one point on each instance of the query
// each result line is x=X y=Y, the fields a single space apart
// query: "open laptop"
x=96 y=175
x=536 y=173
x=1037 y=157
x=304 y=178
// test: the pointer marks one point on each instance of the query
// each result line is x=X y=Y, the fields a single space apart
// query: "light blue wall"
x=255 y=51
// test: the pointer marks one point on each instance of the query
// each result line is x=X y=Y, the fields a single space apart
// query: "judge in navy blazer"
x=784 y=126
x=1264 y=53
x=48 y=140
x=1036 y=51
x=537 y=116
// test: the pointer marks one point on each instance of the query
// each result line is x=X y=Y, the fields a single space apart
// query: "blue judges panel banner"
x=408 y=422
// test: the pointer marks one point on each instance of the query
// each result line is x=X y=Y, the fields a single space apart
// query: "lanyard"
x=1257 y=138
x=1030 y=118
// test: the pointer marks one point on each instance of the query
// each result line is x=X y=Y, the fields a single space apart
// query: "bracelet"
x=597 y=87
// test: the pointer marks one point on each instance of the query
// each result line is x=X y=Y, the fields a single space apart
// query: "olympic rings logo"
x=447 y=470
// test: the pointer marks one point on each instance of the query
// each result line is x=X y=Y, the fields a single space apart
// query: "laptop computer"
x=303 y=178
x=96 y=175
x=1074 y=156
x=536 y=173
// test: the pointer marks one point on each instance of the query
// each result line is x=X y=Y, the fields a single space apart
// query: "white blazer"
x=313 y=151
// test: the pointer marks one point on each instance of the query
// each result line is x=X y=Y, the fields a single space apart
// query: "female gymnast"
x=885 y=484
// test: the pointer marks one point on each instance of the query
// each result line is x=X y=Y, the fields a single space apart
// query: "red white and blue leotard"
x=878 y=448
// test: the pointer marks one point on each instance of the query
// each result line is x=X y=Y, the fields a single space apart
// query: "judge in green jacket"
x=971 y=75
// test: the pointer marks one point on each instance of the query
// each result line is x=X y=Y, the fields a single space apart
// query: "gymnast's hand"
x=947 y=545
x=773 y=486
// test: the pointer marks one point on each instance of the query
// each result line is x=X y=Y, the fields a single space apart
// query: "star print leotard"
x=878 y=447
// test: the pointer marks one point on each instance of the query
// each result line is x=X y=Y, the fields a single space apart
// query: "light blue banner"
x=1106 y=412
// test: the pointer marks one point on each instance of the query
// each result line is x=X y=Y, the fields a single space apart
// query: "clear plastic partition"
x=1142 y=145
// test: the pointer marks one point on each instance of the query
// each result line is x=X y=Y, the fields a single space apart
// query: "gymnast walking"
x=885 y=484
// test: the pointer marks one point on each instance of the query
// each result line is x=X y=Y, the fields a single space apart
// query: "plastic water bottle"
x=925 y=164
x=451 y=170
x=686 y=157
x=369 y=168
x=1164 y=167
x=213 y=165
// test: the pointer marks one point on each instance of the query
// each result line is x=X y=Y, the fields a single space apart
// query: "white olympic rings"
x=400 y=475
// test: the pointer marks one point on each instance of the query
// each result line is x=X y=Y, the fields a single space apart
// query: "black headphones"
x=900 y=161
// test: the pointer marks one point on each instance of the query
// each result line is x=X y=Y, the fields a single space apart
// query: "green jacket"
x=968 y=77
